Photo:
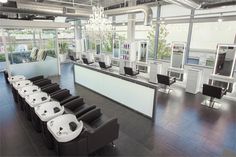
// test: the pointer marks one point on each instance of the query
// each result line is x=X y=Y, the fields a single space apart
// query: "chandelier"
x=98 y=26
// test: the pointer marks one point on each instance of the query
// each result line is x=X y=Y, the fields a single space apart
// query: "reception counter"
x=135 y=93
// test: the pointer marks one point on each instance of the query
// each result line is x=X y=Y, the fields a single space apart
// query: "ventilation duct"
x=148 y=15
x=51 y=10
x=185 y=3
x=218 y=4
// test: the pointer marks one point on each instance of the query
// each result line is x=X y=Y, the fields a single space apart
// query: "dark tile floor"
x=182 y=127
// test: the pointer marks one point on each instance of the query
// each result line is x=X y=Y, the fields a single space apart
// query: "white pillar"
x=78 y=37
x=131 y=23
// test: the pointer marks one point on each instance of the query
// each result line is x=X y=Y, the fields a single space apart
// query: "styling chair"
x=165 y=80
x=100 y=129
x=129 y=71
x=103 y=65
x=213 y=92
x=73 y=58
x=85 y=60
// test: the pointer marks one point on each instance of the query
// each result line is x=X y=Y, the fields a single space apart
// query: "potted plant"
x=63 y=51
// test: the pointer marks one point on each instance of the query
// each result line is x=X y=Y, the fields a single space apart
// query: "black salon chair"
x=85 y=60
x=213 y=92
x=36 y=78
x=73 y=58
x=42 y=82
x=103 y=65
x=63 y=96
x=100 y=129
x=129 y=71
x=51 y=88
x=6 y=76
x=78 y=107
x=165 y=80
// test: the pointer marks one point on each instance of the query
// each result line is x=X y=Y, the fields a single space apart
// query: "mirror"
x=98 y=47
x=143 y=51
x=116 y=49
x=225 y=60
x=177 y=56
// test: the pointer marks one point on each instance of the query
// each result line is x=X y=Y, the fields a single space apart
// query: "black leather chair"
x=6 y=76
x=166 y=80
x=100 y=129
x=129 y=71
x=42 y=82
x=73 y=58
x=36 y=78
x=51 y=88
x=63 y=96
x=103 y=65
x=213 y=92
x=85 y=60
x=78 y=107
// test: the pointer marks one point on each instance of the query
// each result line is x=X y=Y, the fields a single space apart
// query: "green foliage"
x=63 y=47
x=2 y=58
x=164 y=50
x=107 y=43
x=50 y=44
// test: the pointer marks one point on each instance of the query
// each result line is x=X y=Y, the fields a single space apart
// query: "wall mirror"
x=98 y=46
x=177 y=56
x=143 y=51
x=224 y=66
x=116 y=48
x=225 y=60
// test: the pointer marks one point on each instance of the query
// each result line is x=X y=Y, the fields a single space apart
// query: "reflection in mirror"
x=116 y=49
x=143 y=51
x=98 y=47
x=177 y=57
x=225 y=59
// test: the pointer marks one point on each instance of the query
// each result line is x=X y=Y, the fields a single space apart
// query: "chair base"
x=211 y=104
x=165 y=90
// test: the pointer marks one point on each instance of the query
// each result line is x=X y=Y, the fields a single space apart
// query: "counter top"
x=141 y=79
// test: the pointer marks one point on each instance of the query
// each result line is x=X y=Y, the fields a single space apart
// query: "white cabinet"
x=155 y=69
x=193 y=81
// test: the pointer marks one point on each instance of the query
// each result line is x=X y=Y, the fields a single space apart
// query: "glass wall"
x=2 y=53
x=206 y=36
x=32 y=52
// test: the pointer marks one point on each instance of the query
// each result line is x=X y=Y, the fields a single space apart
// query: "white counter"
x=136 y=94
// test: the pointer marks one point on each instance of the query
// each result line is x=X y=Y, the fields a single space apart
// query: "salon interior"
x=118 y=78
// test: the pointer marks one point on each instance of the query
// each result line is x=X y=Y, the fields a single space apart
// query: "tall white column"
x=78 y=37
x=131 y=23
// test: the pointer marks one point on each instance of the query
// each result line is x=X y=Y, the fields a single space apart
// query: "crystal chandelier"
x=98 y=25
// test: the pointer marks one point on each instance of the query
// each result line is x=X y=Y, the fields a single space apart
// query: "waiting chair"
x=166 y=81
x=129 y=71
x=63 y=96
x=85 y=60
x=51 y=88
x=213 y=92
x=100 y=129
x=103 y=65
x=6 y=76
x=36 y=78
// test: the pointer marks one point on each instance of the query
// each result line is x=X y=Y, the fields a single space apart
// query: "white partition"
x=133 y=95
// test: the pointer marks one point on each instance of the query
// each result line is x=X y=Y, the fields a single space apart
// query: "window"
x=206 y=36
